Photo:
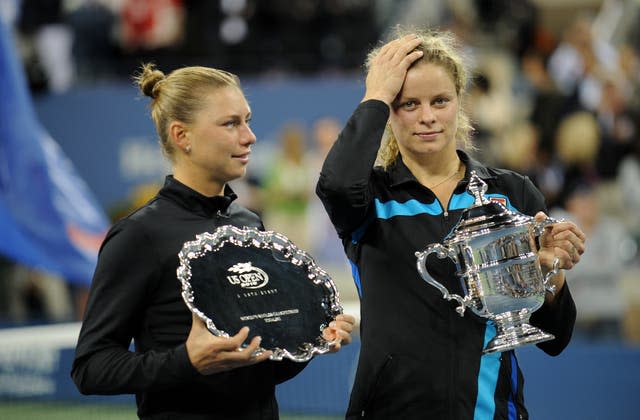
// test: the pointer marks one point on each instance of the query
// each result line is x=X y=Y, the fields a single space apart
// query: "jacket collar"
x=192 y=200
x=399 y=173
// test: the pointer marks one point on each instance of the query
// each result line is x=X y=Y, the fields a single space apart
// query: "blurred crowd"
x=561 y=106
x=69 y=42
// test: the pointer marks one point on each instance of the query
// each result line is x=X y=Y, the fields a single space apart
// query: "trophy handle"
x=551 y=288
x=441 y=252
x=538 y=229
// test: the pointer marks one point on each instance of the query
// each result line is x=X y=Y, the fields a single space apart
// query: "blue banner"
x=49 y=219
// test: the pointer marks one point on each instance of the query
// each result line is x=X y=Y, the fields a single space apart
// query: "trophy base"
x=513 y=330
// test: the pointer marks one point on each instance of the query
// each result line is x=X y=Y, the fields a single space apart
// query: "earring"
x=187 y=149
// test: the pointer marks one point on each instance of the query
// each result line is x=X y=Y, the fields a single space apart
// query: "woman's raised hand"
x=388 y=68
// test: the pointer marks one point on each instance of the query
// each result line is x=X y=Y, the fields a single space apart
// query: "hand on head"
x=388 y=68
x=210 y=354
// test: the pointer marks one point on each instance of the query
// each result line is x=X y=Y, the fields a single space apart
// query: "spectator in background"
x=49 y=40
x=151 y=30
x=138 y=197
x=518 y=149
x=287 y=182
x=511 y=24
x=105 y=37
x=311 y=36
x=537 y=93
x=577 y=144
x=94 y=44
x=628 y=181
x=619 y=126
x=324 y=243
x=582 y=62
x=416 y=12
x=36 y=296
x=149 y=25
x=323 y=240
x=490 y=104
x=6 y=265
x=250 y=193
x=630 y=68
x=596 y=281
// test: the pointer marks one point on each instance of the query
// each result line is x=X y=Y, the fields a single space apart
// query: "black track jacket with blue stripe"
x=419 y=359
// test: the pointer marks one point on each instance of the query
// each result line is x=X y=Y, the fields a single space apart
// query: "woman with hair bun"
x=179 y=370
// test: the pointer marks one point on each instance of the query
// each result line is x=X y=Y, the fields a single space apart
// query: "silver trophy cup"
x=494 y=251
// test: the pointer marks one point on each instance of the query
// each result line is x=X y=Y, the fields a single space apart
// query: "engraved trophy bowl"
x=494 y=251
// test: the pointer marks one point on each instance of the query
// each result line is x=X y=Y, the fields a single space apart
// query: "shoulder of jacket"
x=237 y=210
x=507 y=176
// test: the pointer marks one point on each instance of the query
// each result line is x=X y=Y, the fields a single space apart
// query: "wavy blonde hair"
x=439 y=48
x=179 y=95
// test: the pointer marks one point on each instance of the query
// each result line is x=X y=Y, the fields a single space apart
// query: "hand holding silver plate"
x=495 y=254
x=237 y=277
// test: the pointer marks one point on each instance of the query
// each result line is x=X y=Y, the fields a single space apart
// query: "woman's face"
x=220 y=136
x=424 y=117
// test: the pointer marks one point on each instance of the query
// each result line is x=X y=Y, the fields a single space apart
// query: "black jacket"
x=135 y=294
x=419 y=359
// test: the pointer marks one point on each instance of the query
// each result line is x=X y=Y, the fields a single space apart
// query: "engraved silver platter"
x=235 y=277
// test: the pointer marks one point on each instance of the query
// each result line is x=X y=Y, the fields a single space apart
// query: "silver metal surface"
x=286 y=252
x=494 y=251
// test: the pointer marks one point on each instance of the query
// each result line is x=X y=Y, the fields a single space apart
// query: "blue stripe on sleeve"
x=356 y=277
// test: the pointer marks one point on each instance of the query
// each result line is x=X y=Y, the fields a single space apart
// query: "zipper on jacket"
x=445 y=211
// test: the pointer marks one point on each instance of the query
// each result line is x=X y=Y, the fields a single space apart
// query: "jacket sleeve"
x=344 y=183
x=287 y=369
x=103 y=363
x=557 y=318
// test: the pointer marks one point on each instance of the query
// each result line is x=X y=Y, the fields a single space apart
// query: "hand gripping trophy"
x=494 y=251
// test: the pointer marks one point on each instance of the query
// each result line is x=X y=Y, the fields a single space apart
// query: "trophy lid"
x=484 y=215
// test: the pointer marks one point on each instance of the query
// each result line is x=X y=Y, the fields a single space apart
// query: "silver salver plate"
x=235 y=277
